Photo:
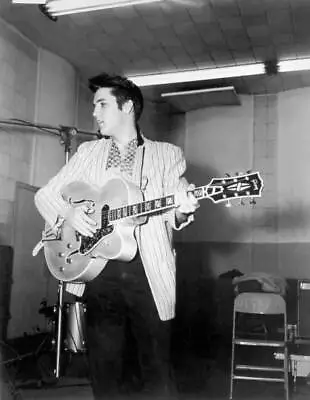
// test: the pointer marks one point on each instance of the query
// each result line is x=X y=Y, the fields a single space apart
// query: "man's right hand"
x=80 y=221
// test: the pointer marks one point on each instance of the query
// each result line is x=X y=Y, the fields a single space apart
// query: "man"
x=140 y=293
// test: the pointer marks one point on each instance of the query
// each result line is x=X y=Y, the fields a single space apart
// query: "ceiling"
x=174 y=35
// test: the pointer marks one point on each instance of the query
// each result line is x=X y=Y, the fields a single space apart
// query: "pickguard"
x=88 y=243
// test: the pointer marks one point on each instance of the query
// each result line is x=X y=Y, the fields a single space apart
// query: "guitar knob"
x=69 y=245
x=61 y=254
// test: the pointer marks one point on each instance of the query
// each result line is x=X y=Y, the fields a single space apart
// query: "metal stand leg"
x=59 y=327
x=66 y=134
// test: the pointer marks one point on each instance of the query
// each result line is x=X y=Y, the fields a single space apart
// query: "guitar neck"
x=218 y=190
x=153 y=206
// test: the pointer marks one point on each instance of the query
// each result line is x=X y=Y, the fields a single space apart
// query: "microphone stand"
x=65 y=134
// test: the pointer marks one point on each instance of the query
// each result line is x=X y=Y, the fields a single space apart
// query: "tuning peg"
x=227 y=175
x=252 y=201
x=249 y=171
x=228 y=204
x=241 y=202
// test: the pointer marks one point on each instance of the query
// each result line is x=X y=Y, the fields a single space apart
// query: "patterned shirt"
x=125 y=163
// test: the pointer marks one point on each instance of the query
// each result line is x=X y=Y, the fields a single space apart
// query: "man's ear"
x=128 y=107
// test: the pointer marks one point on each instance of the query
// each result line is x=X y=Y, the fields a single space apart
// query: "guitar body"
x=73 y=257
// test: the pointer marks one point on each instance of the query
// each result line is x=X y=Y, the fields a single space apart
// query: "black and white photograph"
x=154 y=199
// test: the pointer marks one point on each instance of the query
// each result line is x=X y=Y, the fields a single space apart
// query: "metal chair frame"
x=259 y=304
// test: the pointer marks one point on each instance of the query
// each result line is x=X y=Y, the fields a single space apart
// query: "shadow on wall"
x=288 y=218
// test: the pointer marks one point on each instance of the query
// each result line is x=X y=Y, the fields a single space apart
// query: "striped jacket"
x=158 y=166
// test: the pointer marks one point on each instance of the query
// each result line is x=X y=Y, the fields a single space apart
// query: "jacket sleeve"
x=48 y=199
x=175 y=167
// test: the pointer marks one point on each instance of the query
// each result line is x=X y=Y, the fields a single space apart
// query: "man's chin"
x=104 y=132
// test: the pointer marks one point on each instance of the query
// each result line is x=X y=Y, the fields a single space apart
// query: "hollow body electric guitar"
x=118 y=207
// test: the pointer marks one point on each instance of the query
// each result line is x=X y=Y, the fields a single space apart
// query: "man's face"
x=107 y=114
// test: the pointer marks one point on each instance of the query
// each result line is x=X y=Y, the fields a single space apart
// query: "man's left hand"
x=186 y=203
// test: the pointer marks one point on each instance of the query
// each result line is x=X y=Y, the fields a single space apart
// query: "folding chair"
x=250 y=310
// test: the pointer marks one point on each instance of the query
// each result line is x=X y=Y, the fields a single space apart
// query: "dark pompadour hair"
x=122 y=88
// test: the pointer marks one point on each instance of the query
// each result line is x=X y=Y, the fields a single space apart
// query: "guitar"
x=118 y=207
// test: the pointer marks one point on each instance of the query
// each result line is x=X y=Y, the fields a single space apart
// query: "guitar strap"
x=143 y=178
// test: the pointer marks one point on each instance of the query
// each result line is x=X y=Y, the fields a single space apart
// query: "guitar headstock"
x=241 y=186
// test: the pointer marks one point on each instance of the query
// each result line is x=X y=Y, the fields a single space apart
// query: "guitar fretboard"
x=150 y=206
x=219 y=189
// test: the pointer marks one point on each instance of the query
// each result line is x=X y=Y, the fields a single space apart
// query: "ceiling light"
x=302 y=64
x=63 y=7
x=197 y=91
x=198 y=75
x=29 y=1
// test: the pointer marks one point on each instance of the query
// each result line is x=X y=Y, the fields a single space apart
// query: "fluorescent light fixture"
x=199 y=75
x=302 y=64
x=197 y=91
x=28 y=1
x=63 y=7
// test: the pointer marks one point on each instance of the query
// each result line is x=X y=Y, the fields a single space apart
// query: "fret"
x=119 y=213
x=157 y=204
x=198 y=193
x=148 y=206
x=169 y=200
x=125 y=211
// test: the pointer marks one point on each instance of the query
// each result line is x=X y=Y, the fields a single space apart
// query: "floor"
x=198 y=378
x=67 y=389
